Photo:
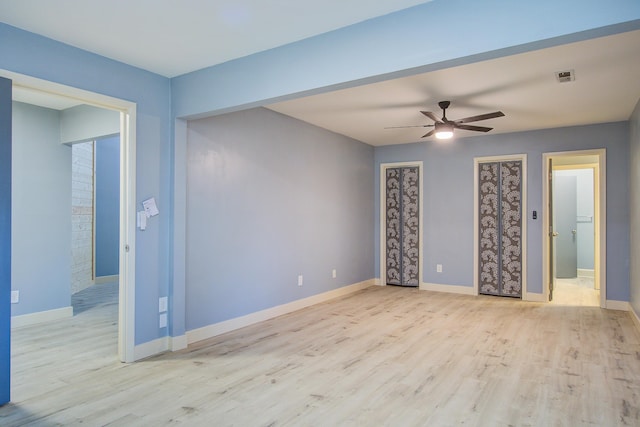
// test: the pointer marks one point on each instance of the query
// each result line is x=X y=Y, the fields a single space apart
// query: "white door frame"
x=476 y=218
x=383 y=217
x=127 y=109
x=600 y=209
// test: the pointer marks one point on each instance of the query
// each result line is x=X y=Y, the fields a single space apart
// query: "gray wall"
x=5 y=240
x=634 y=202
x=269 y=198
x=107 y=199
x=41 y=211
x=584 y=209
x=449 y=192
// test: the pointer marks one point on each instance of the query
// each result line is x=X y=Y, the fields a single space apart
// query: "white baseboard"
x=584 y=272
x=617 y=305
x=535 y=297
x=151 y=348
x=41 y=317
x=158 y=346
x=215 y=329
x=452 y=289
x=178 y=343
x=634 y=317
x=106 y=279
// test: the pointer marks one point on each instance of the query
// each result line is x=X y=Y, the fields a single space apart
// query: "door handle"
x=574 y=231
x=554 y=234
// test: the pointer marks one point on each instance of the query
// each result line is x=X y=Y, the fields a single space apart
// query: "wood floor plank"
x=383 y=356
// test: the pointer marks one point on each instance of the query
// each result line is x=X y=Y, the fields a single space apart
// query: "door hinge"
x=126 y=248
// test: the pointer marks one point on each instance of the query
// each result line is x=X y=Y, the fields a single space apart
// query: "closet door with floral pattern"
x=402 y=226
x=500 y=228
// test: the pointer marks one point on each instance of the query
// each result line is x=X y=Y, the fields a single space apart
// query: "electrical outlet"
x=163 y=303
x=438 y=268
x=334 y=273
x=300 y=280
x=15 y=297
x=163 y=320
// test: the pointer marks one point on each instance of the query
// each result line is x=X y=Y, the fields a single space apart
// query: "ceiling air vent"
x=565 y=76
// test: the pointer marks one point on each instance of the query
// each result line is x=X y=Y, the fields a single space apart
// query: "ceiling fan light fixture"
x=444 y=131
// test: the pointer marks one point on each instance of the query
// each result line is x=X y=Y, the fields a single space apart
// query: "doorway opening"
x=574 y=228
x=95 y=203
x=31 y=89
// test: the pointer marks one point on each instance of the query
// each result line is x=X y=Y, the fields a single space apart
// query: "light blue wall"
x=394 y=45
x=41 y=211
x=434 y=35
x=5 y=240
x=634 y=202
x=269 y=198
x=449 y=192
x=30 y=54
x=107 y=208
x=390 y=46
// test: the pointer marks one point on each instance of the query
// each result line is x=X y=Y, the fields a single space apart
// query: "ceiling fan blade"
x=429 y=134
x=470 y=127
x=402 y=127
x=431 y=116
x=481 y=117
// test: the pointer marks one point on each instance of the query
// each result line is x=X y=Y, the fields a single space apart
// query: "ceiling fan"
x=443 y=128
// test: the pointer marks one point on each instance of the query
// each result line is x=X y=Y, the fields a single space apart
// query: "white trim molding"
x=634 y=317
x=452 y=289
x=127 y=244
x=534 y=297
x=476 y=218
x=220 y=328
x=159 y=346
x=585 y=272
x=41 y=317
x=106 y=279
x=618 y=305
x=151 y=348
x=600 y=211
x=178 y=343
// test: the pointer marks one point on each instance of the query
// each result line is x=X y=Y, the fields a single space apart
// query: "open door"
x=5 y=239
x=593 y=211
x=552 y=233
x=565 y=225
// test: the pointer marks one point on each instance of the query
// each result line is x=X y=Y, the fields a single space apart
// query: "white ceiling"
x=171 y=37
x=523 y=86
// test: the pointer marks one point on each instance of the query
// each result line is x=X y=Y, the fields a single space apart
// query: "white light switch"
x=163 y=304
x=334 y=273
x=438 y=268
x=163 y=320
x=15 y=297
x=300 y=280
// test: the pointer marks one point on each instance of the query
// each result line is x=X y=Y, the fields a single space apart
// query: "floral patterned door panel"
x=500 y=228
x=402 y=226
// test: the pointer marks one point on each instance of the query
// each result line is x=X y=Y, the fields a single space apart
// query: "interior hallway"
x=382 y=356
x=577 y=291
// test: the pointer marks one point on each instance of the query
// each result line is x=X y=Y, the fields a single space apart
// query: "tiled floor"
x=577 y=291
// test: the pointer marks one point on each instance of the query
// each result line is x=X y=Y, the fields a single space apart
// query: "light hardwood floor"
x=384 y=356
